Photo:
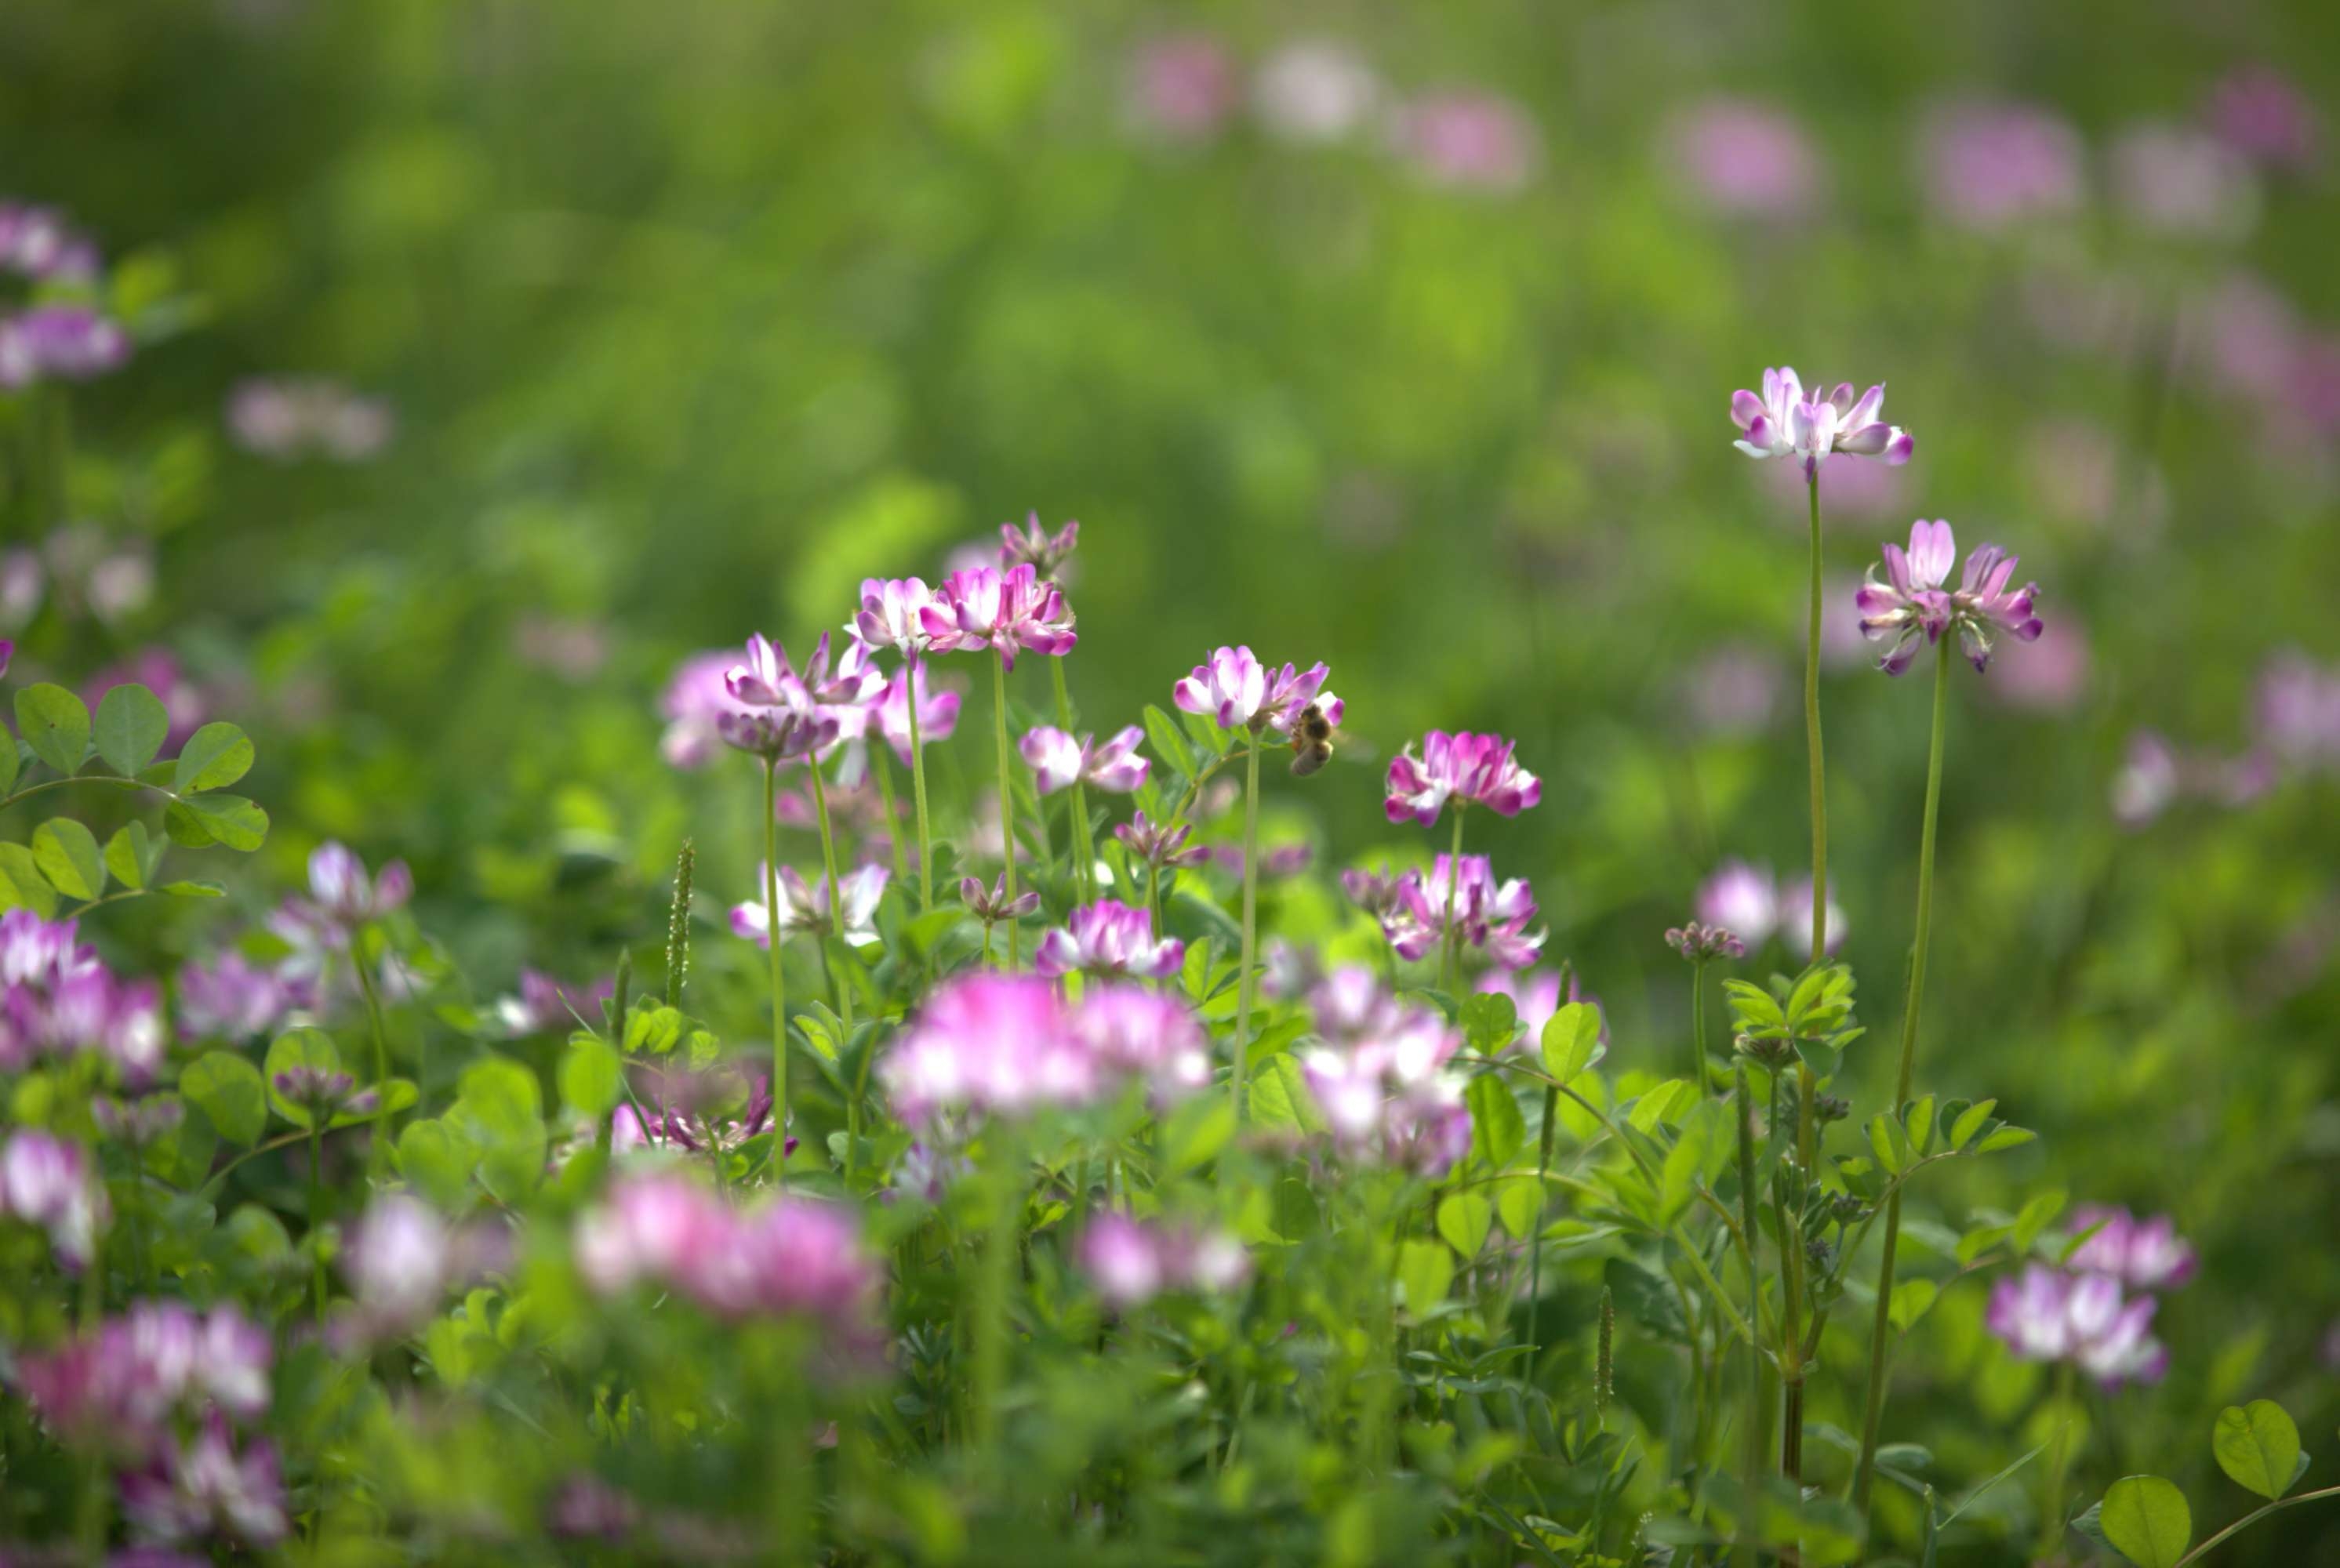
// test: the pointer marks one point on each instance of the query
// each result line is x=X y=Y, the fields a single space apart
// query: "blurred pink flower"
x=1734 y=691
x=1988 y=165
x=1107 y=937
x=2261 y=114
x=1796 y=920
x=1131 y=1261
x=1744 y=900
x=1467 y=140
x=1380 y=1078
x=1745 y=158
x=2174 y=179
x=1182 y=87
x=1059 y=760
x=2142 y=1254
x=287 y=420
x=2049 y=675
x=1315 y=92
x=2046 y=1314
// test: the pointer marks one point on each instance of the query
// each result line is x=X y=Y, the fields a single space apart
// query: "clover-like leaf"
x=55 y=724
x=2257 y=1445
x=1571 y=1041
x=2146 y=1520
x=229 y=1090
x=132 y=726
x=214 y=757
x=67 y=854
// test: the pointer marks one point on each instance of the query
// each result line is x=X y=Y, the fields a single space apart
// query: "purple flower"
x=788 y=1257
x=989 y=1044
x=1130 y=1261
x=1277 y=861
x=2141 y=1254
x=290 y=419
x=938 y=712
x=893 y=615
x=927 y=1175
x=2174 y=179
x=2051 y=674
x=804 y=906
x=61 y=342
x=1131 y=1031
x=1183 y=87
x=1488 y=916
x=1239 y=692
x=773 y=712
x=1375 y=892
x=1033 y=545
x=38 y=244
x=400 y=1260
x=342 y=898
x=1912 y=605
x=1159 y=843
x=207 y=1487
x=1108 y=937
x=1989 y=165
x=1784 y=423
x=1467 y=140
x=546 y=1005
x=1058 y=760
x=1005 y=612
x=693 y=702
x=1466 y=768
x=1734 y=691
x=1699 y=942
x=1379 y=1076
x=2261 y=114
x=991 y=904
x=658 y=1229
x=2295 y=711
x=1796 y=920
x=1746 y=158
x=2149 y=781
x=50 y=1185
x=2046 y=1314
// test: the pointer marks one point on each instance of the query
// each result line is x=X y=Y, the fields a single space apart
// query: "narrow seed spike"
x=678 y=928
x=1605 y=1369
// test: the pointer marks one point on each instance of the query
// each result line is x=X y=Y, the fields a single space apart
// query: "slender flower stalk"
x=1084 y=842
x=1815 y=758
x=1882 y=1331
x=1245 y=983
x=1759 y=1425
x=919 y=795
x=779 y=987
x=839 y=985
x=1453 y=886
x=885 y=771
x=1006 y=801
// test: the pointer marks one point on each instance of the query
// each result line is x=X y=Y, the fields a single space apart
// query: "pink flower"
x=1159 y=843
x=208 y=1487
x=400 y=1260
x=694 y=703
x=1734 y=691
x=1058 y=761
x=658 y=1228
x=1462 y=767
x=2177 y=181
x=1005 y=612
x=1489 y=917
x=1182 y=87
x=2261 y=114
x=990 y=904
x=1784 y=423
x=2148 y=782
x=987 y=1044
x=788 y=1258
x=1796 y=920
x=1315 y=92
x=2142 y=1254
x=546 y=1005
x=1108 y=937
x=1746 y=158
x=1035 y=547
x=1913 y=603
x=938 y=712
x=2295 y=711
x=290 y=419
x=1131 y=1031
x=2046 y=1314
x=1129 y=1262
x=48 y=1183
x=37 y=243
x=1379 y=1077
x=1988 y=165
x=893 y=615
x=804 y=906
x=1468 y=141
x=1239 y=692
x=2051 y=674
x=63 y=342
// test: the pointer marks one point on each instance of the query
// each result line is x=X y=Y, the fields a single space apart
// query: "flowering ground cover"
x=1538 y=941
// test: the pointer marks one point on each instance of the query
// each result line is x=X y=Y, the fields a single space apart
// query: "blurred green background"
x=1398 y=338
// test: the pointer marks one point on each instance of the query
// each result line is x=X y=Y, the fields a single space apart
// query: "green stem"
x=881 y=763
x=918 y=794
x=1881 y=1332
x=1759 y=1423
x=991 y=1288
x=1454 y=889
x=1244 y=982
x=1535 y=1243
x=1083 y=838
x=1697 y=1026
x=317 y=1204
x=839 y=985
x=2254 y=1516
x=359 y=960
x=1812 y=733
x=780 y=986
x=2051 y=1521
x=1006 y=804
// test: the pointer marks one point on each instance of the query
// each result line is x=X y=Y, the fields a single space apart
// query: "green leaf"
x=2005 y=1137
x=2147 y=1519
x=652 y=1030
x=227 y=819
x=228 y=1089
x=1196 y=1132
x=1912 y=1299
x=390 y=1096
x=126 y=854
x=1662 y=1104
x=2034 y=1217
x=1519 y=1205
x=1498 y=1130
x=192 y=890
x=21 y=885
x=1678 y=1180
x=1963 y=1130
x=1280 y=1097
x=1464 y=1219
x=55 y=724
x=1167 y=743
x=10 y=764
x=499 y=1107
x=214 y=757
x=1571 y=1041
x=131 y=728
x=1920 y=1124
x=68 y=856
x=589 y=1082
x=2257 y=1445
x=438 y=1160
x=301 y=1047
x=1887 y=1138
x=1426 y=1270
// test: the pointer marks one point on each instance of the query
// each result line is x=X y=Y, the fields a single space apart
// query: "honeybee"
x=1313 y=735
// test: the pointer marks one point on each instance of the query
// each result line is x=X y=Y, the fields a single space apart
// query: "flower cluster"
x=2142 y=1254
x=289 y=420
x=1005 y=612
x=1379 y=1076
x=1699 y=942
x=231 y=998
x=776 y=714
x=783 y=1257
x=1465 y=768
x=804 y=906
x=37 y=243
x=50 y=1183
x=342 y=898
x=61 y=342
x=1035 y=547
x=1912 y=606
x=1007 y=1045
x=1238 y=693
x=699 y=1112
x=1159 y=845
x=546 y=1005
x=1129 y=1262
x=2079 y=1313
x=1784 y=423
x=1487 y=916
x=1108 y=937
x=1059 y=760
x=61 y=1002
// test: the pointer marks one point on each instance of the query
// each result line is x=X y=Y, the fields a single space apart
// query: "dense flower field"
x=1071 y=1049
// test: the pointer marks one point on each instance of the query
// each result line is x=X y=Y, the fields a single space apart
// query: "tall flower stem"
x=918 y=792
x=1006 y=804
x=362 y=964
x=1812 y=730
x=1791 y=1286
x=991 y=1288
x=2051 y=1519
x=1881 y=1333
x=1697 y=1026
x=883 y=766
x=1083 y=841
x=1543 y=1171
x=771 y=801
x=1245 y=981
x=1759 y=1423
x=839 y=985
x=1453 y=891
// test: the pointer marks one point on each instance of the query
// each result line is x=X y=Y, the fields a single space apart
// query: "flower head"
x=773 y=711
x=991 y=904
x=1005 y=612
x=1462 y=767
x=1486 y=915
x=1913 y=606
x=2142 y=1254
x=545 y=1004
x=1108 y=937
x=2045 y=1314
x=1796 y=920
x=1239 y=692
x=1033 y=545
x=804 y=907
x=1060 y=760
x=209 y=1486
x=1379 y=1076
x=1786 y=423
x=1159 y=843
x=1742 y=899
x=47 y=1182
x=693 y=704
x=1131 y=1261
x=1699 y=942
x=987 y=1044
x=893 y=612
x=289 y=420
x=1134 y=1032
